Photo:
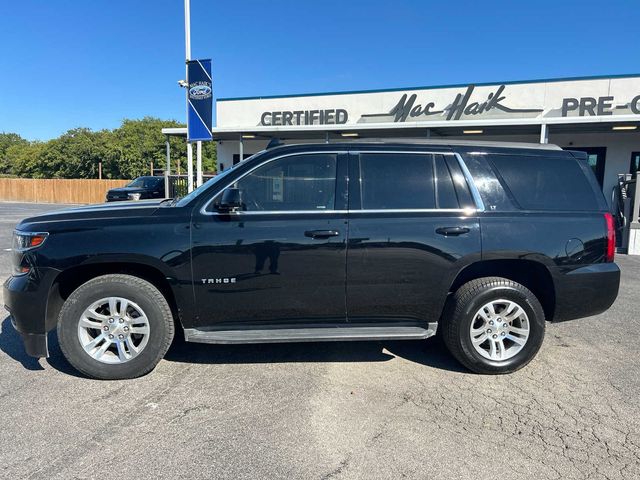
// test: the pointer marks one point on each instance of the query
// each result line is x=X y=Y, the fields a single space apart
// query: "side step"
x=320 y=334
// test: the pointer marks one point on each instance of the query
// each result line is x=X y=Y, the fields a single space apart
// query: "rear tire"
x=115 y=327
x=493 y=325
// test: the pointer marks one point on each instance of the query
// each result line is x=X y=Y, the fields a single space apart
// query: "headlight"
x=23 y=242
x=27 y=240
x=134 y=196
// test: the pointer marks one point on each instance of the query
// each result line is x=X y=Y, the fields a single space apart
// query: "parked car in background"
x=350 y=241
x=140 y=189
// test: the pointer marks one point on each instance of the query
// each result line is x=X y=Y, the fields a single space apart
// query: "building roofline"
x=434 y=87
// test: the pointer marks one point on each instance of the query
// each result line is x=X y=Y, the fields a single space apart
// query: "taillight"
x=611 y=237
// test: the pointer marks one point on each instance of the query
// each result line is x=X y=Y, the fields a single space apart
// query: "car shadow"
x=430 y=353
x=11 y=344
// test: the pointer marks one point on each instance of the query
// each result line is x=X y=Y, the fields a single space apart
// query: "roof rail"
x=275 y=142
x=430 y=141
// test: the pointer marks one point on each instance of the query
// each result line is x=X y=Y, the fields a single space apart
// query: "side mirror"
x=230 y=201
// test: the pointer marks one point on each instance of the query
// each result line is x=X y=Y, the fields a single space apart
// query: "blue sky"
x=65 y=64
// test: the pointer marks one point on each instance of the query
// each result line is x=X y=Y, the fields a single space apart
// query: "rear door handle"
x=452 y=231
x=320 y=234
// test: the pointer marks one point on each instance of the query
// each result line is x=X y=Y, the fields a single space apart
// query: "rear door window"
x=405 y=181
x=397 y=181
x=545 y=182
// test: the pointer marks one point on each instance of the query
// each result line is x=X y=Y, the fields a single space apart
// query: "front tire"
x=493 y=325
x=115 y=327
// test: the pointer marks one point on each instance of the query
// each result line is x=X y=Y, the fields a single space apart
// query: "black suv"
x=141 y=188
x=348 y=241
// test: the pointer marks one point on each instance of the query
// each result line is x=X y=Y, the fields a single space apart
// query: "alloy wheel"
x=113 y=330
x=499 y=330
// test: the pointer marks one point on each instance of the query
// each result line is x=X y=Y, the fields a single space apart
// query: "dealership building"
x=599 y=115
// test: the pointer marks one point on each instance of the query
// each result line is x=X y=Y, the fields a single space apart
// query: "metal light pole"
x=187 y=45
x=198 y=163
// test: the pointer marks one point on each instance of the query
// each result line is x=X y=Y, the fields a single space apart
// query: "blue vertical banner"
x=199 y=100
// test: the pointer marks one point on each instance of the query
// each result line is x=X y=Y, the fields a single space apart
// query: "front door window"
x=293 y=183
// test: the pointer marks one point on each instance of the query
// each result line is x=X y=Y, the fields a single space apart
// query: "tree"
x=8 y=140
x=75 y=154
x=125 y=152
x=24 y=160
x=142 y=141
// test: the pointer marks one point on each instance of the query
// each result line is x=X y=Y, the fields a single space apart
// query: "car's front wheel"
x=493 y=325
x=115 y=327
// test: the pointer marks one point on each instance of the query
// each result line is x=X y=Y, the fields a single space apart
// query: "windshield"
x=146 y=182
x=203 y=188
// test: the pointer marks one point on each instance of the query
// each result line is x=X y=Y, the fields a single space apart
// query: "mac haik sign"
x=577 y=98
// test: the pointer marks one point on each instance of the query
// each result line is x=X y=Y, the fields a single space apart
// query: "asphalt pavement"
x=370 y=410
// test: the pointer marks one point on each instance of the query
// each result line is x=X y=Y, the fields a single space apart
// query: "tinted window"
x=445 y=193
x=297 y=182
x=396 y=180
x=546 y=183
x=146 y=182
x=460 y=183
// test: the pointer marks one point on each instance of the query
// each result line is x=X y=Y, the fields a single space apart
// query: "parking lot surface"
x=371 y=410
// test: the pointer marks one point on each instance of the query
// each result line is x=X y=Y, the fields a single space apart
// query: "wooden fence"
x=56 y=190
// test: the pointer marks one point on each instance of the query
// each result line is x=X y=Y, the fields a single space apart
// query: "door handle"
x=321 y=234
x=452 y=231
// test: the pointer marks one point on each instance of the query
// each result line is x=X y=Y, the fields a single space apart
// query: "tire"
x=463 y=313
x=145 y=310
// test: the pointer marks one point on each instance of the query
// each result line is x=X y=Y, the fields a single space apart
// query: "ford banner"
x=199 y=100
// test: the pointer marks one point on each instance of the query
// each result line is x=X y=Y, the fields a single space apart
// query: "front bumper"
x=26 y=297
x=35 y=344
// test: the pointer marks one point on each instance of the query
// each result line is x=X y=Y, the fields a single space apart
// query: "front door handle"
x=321 y=234
x=452 y=231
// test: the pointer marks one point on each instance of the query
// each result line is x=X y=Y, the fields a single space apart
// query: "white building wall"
x=563 y=101
x=226 y=150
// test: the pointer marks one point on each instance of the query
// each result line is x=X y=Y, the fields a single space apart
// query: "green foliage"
x=125 y=152
x=8 y=140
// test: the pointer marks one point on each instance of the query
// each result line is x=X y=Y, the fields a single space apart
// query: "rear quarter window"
x=545 y=182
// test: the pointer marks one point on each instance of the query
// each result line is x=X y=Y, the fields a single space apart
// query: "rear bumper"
x=586 y=291
x=25 y=297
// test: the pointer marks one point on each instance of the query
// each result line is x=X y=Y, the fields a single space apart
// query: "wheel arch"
x=70 y=279
x=530 y=273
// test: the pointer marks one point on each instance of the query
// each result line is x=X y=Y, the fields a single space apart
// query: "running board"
x=320 y=334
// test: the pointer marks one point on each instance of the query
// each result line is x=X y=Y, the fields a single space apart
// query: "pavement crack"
x=337 y=471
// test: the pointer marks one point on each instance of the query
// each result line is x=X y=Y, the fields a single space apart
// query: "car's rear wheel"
x=493 y=325
x=115 y=327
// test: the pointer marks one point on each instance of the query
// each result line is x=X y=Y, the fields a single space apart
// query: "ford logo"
x=200 y=91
